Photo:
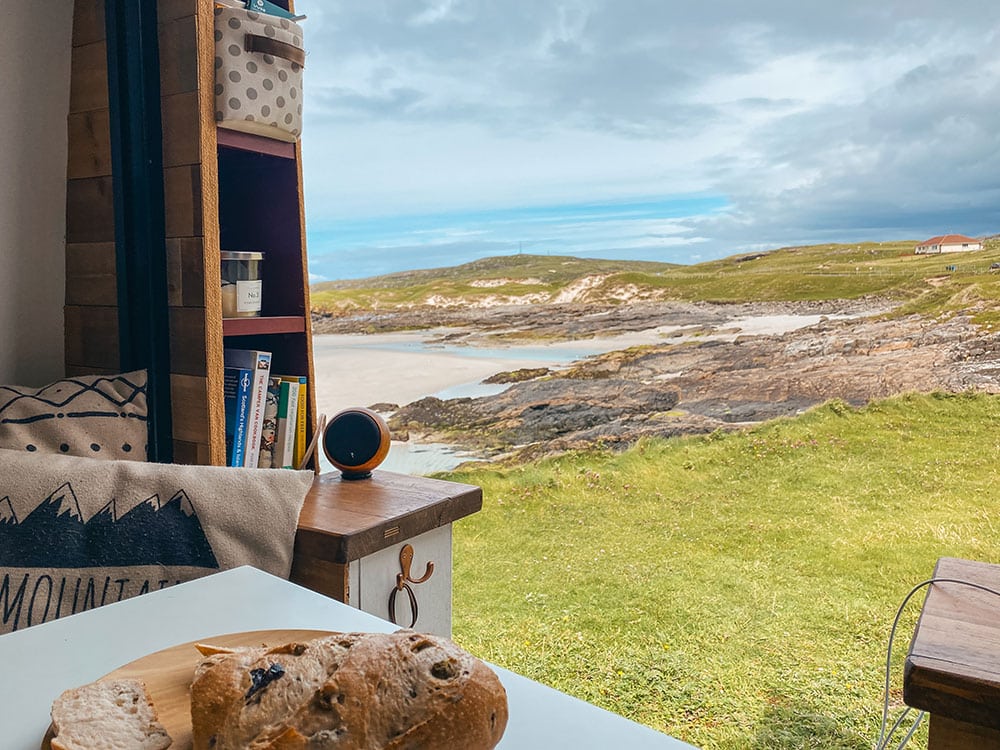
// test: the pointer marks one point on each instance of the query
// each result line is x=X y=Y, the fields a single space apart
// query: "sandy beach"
x=397 y=368
x=361 y=370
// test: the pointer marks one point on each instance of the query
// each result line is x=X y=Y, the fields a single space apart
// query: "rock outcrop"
x=706 y=375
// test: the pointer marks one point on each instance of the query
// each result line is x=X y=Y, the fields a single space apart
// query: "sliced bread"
x=113 y=714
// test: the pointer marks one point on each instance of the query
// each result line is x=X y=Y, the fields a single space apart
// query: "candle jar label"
x=248 y=297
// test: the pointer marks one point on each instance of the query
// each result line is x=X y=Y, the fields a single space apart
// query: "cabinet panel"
x=374 y=579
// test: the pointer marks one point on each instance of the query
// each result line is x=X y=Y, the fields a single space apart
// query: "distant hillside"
x=925 y=283
x=517 y=278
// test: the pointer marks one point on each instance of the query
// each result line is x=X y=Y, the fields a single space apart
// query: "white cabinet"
x=351 y=534
x=373 y=579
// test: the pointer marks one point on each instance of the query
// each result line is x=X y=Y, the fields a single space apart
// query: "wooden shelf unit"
x=223 y=190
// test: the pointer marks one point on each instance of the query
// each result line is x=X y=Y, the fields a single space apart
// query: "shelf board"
x=258 y=144
x=257 y=326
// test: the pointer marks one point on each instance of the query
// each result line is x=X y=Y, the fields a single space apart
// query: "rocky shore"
x=710 y=372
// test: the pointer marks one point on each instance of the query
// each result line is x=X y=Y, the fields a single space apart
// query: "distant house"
x=949 y=243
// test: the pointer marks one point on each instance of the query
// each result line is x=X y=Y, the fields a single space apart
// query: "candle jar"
x=241 y=284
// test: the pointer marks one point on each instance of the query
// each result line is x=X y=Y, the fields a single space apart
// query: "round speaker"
x=356 y=441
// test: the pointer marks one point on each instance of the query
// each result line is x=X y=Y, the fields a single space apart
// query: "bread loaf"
x=107 y=715
x=351 y=691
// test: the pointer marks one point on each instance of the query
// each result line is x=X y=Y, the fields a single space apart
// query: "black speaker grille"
x=351 y=439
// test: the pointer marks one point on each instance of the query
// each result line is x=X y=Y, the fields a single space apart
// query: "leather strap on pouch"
x=267 y=46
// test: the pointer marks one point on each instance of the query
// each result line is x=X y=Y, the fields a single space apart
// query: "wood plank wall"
x=190 y=178
x=91 y=311
x=190 y=181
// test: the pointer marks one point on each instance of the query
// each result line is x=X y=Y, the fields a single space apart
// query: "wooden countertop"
x=953 y=666
x=344 y=520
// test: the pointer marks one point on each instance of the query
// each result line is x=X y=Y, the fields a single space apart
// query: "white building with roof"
x=949 y=243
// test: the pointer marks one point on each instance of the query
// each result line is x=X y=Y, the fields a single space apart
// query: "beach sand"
x=356 y=370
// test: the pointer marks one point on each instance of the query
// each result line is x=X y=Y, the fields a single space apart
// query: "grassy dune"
x=819 y=272
x=519 y=275
x=735 y=591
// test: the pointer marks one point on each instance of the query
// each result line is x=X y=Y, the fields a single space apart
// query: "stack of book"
x=265 y=412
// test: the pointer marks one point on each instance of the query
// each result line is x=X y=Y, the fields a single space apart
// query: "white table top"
x=40 y=662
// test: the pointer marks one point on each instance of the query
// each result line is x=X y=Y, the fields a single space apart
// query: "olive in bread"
x=110 y=714
x=348 y=691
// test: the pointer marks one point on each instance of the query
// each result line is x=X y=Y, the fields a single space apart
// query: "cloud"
x=851 y=120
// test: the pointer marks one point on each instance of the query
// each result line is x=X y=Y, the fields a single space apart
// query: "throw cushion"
x=99 y=416
x=76 y=533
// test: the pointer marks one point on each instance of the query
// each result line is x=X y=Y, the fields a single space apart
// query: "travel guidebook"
x=237 y=390
x=259 y=363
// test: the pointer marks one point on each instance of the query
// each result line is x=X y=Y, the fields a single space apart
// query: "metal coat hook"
x=403 y=581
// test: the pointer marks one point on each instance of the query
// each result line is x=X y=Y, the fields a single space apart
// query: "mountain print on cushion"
x=55 y=535
x=100 y=416
x=76 y=533
x=7 y=514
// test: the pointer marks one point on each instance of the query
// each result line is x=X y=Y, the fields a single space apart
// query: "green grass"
x=732 y=590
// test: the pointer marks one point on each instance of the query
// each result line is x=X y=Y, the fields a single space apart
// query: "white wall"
x=35 y=40
x=961 y=247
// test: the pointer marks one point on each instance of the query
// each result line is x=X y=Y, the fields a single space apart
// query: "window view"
x=704 y=297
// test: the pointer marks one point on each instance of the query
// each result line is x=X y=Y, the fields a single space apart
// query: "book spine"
x=269 y=429
x=300 y=426
x=301 y=419
x=237 y=387
x=288 y=445
x=282 y=437
x=261 y=373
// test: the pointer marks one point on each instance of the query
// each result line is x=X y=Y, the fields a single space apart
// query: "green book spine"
x=282 y=433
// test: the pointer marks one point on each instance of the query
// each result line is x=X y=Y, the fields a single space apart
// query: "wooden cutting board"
x=168 y=676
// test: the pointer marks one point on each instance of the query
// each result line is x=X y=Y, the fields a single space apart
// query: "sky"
x=437 y=132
